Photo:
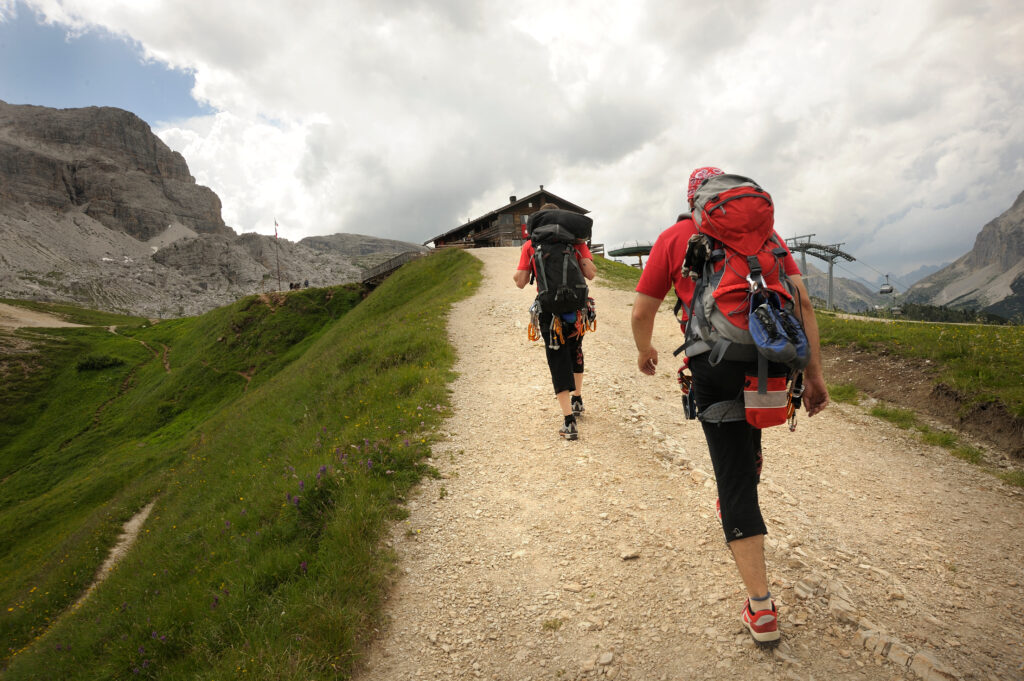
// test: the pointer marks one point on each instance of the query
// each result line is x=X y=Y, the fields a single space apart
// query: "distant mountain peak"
x=990 y=277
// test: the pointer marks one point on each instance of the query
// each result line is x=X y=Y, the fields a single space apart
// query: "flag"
x=275 y=228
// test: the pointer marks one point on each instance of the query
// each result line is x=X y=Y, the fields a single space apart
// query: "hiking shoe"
x=577 y=405
x=763 y=625
x=569 y=431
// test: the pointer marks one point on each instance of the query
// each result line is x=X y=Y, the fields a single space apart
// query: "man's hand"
x=815 y=394
x=647 y=361
x=642 y=321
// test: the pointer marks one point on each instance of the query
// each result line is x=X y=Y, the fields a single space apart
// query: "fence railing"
x=381 y=271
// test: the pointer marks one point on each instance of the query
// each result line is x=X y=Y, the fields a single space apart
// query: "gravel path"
x=14 y=317
x=534 y=558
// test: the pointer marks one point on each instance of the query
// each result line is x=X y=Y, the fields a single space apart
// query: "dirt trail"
x=13 y=316
x=889 y=558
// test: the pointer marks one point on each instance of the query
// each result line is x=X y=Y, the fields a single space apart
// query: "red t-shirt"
x=526 y=255
x=663 y=270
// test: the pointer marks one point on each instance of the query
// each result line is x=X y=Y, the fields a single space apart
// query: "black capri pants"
x=567 y=359
x=735 y=447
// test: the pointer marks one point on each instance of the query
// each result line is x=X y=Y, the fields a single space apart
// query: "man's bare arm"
x=815 y=391
x=645 y=309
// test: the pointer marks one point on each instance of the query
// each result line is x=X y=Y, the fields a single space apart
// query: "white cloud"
x=881 y=125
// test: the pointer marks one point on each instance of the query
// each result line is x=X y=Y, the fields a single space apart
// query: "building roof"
x=511 y=205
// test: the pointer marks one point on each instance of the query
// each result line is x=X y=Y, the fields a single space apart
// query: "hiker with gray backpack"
x=751 y=351
x=558 y=258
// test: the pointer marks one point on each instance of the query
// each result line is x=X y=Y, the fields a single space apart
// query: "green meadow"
x=983 y=363
x=275 y=438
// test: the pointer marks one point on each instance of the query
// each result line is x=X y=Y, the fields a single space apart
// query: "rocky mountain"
x=917 y=275
x=95 y=209
x=990 y=277
x=365 y=251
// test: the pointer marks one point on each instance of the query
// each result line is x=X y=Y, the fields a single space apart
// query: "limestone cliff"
x=990 y=277
x=105 y=163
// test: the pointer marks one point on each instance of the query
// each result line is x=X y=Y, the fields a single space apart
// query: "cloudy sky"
x=894 y=128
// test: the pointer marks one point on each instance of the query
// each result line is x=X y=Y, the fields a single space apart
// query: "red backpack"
x=743 y=302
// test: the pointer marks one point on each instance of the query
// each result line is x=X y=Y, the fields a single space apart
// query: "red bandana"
x=698 y=176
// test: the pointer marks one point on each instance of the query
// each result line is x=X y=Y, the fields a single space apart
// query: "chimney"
x=512 y=199
x=542 y=187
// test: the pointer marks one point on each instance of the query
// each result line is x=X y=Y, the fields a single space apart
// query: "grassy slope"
x=984 y=363
x=261 y=553
x=615 y=274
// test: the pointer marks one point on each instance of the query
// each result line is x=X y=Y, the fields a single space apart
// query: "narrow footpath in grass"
x=534 y=558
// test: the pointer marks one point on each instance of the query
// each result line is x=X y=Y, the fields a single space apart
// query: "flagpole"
x=277 y=252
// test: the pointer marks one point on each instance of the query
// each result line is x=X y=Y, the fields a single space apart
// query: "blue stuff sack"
x=778 y=335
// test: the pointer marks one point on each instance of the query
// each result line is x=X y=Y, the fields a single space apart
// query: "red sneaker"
x=763 y=624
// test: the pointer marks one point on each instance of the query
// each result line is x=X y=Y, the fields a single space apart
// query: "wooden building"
x=505 y=226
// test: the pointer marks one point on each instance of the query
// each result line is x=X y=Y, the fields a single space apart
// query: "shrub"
x=98 y=362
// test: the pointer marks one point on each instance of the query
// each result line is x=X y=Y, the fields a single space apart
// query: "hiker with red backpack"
x=558 y=258
x=751 y=351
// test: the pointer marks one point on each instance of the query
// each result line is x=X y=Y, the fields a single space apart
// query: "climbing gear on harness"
x=580 y=326
x=533 y=329
x=796 y=393
x=555 y=338
x=686 y=385
x=591 y=315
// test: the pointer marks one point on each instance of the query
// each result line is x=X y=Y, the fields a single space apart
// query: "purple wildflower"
x=302 y=567
x=302 y=485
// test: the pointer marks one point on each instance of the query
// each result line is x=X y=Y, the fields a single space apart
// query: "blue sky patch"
x=40 y=64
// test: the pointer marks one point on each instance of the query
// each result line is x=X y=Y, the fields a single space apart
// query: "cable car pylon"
x=828 y=253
